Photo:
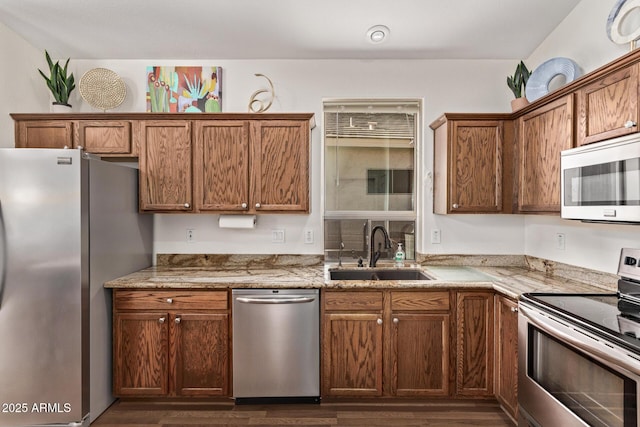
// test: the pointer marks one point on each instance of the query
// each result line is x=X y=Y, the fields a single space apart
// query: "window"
x=369 y=157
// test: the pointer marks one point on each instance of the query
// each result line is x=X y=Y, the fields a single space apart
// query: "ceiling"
x=284 y=29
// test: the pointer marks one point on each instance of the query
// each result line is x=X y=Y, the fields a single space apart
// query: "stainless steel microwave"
x=601 y=181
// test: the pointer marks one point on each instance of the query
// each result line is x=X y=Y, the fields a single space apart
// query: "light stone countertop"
x=510 y=280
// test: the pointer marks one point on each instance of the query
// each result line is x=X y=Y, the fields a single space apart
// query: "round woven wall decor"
x=102 y=88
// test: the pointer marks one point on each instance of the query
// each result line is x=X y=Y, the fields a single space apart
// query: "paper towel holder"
x=237 y=221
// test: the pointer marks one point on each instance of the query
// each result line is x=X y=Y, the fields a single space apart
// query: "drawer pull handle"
x=630 y=124
x=177 y=321
x=379 y=321
x=161 y=320
x=396 y=320
x=169 y=300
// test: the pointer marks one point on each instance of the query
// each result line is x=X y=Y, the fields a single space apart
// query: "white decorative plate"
x=538 y=83
x=618 y=15
x=102 y=88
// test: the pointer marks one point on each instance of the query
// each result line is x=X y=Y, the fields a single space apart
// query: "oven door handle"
x=609 y=355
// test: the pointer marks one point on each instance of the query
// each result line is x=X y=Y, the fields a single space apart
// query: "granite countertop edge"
x=509 y=281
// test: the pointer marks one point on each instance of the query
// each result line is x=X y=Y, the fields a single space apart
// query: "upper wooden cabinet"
x=469 y=167
x=543 y=134
x=252 y=166
x=107 y=138
x=608 y=106
x=165 y=165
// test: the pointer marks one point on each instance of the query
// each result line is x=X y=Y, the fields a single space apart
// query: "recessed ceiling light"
x=377 y=34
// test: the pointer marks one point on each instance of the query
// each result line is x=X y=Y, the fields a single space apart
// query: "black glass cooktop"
x=605 y=315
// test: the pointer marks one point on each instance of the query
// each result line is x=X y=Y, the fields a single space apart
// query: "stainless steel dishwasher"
x=276 y=345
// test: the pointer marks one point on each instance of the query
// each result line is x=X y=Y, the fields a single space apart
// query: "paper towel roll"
x=237 y=221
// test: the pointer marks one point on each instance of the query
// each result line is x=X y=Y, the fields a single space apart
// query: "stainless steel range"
x=579 y=354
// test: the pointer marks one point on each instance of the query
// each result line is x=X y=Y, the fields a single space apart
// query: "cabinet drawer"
x=170 y=299
x=419 y=301
x=353 y=301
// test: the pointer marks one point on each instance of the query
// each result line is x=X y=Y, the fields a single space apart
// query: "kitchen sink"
x=367 y=274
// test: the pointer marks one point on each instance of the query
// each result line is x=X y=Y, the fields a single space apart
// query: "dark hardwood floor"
x=390 y=414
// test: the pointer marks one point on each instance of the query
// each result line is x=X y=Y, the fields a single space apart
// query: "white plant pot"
x=60 y=108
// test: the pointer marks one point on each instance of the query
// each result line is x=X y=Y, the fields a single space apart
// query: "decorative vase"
x=519 y=103
x=56 y=107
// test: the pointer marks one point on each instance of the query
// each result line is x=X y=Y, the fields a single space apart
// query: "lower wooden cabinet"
x=506 y=354
x=385 y=343
x=474 y=343
x=171 y=343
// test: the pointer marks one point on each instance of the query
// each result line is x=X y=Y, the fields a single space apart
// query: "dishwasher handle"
x=292 y=300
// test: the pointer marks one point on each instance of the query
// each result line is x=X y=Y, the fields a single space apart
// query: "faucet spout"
x=373 y=257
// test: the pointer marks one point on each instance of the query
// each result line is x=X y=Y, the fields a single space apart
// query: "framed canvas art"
x=184 y=89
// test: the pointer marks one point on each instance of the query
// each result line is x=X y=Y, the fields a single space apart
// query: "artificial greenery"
x=58 y=82
x=518 y=82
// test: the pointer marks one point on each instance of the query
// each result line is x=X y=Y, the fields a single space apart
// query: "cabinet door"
x=507 y=354
x=352 y=354
x=140 y=354
x=476 y=166
x=105 y=137
x=200 y=354
x=221 y=166
x=420 y=354
x=474 y=344
x=44 y=134
x=609 y=106
x=544 y=133
x=165 y=165
x=280 y=166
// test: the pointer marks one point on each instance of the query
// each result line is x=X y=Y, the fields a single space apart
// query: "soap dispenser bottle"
x=399 y=258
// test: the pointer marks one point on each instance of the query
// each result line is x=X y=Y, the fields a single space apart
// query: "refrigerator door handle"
x=3 y=254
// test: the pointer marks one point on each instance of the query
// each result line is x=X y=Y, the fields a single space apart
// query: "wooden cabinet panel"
x=352 y=354
x=474 y=343
x=468 y=165
x=44 y=134
x=506 y=354
x=105 y=137
x=165 y=166
x=280 y=170
x=608 y=107
x=183 y=350
x=420 y=354
x=353 y=301
x=544 y=133
x=140 y=370
x=419 y=300
x=221 y=174
x=199 y=352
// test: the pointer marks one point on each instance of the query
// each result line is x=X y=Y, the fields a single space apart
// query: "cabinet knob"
x=258 y=205
x=79 y=147
x=396 y=320
x=514 y=309
x=244 y=206
x=177 y=320
x=455 y=206
x=169 y=300
x=161 y=320
x=630 y=124
x=66 y=147
x=187 y=205
x=379 y=321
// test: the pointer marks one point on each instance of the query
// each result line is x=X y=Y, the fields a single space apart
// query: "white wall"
x=22 y=87
x=582 y=37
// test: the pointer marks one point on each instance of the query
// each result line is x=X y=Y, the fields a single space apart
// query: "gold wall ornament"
x=257 y=105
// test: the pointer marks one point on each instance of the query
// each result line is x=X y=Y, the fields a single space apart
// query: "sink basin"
x=366 y=274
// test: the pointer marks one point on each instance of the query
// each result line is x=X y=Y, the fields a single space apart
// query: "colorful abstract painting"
x=175 y=89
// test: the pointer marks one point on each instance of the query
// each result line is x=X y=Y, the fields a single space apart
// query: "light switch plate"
x=277 y=236
x=435 y=236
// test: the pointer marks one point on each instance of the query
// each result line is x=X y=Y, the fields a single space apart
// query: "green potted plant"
x=59 y=83
x=517 y=83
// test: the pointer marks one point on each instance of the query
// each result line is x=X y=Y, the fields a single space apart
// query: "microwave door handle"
x=3 y=255
x=611 y=355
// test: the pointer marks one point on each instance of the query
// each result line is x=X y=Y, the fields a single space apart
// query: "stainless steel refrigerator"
x=68 y=223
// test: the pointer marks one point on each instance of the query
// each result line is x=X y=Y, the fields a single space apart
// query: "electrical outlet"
x=308 y=235
x=435 y=236
x=191 y=235
x=277 y=236
x=560 y=241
